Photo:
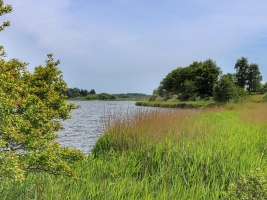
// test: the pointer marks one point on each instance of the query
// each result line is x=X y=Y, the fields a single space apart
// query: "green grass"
x=198 y=104
x=161 y=155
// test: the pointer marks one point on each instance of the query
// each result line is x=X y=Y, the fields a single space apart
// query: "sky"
x=129 y=46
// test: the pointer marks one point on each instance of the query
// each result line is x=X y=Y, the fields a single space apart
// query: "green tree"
x=263 y=88
x=199 y=76
x=254 y=78
x=241 y=68
x=73 y=92
x=92 y=91
x=92 y=97
x=240 y=94
x=31 y=105
x=224 y=90
x=207 y=74
x=189 y=91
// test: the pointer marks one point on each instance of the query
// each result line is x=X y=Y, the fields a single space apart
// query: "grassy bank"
x=161 y=155
x=198 y=104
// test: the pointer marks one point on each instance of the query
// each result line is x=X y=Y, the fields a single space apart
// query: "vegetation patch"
x=174 y=104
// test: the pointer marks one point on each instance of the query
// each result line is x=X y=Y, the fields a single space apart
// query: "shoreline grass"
x=198 y=104
x=161 y=154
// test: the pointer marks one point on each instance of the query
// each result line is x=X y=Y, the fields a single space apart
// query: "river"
x=86 y=125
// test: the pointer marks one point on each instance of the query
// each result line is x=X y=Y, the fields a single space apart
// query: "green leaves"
x=31 y=105
x=4 y=10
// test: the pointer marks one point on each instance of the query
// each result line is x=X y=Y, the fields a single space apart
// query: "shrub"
x=264 y=97
x=254 y=186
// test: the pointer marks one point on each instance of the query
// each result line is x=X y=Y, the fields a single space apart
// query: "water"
x=86 y=125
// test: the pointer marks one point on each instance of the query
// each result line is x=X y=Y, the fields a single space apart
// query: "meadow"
x=162 y=154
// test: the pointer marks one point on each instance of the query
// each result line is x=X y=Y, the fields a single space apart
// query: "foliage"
x=265 y=97
x=247 y=75
x=252 y=187
x=241 y=68
x=224 y=90
x=76 y=92
x=240 y=94
x=101 y=96
x=197 y=79
x=30 y=104
x=152 y=97
x=92 y=91
x=254 y=78
x=173 y=104
x=4 y=10
x=263 y=88
x=92 y=97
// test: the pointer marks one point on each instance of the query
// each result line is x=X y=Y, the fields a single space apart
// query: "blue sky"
x=120 y=46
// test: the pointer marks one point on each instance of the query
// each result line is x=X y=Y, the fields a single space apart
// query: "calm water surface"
x=86 y=125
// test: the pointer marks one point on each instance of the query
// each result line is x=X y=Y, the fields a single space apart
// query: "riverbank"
x=198 y=104
x=162 y=155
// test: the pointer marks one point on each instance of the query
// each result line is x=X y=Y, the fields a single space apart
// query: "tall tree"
x=197 y=79
x=242 y=68
x=207 y=74
x=224 y=90
x=254 y=78
x=31 y=105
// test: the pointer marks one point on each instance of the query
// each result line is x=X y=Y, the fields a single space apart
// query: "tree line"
x=92 y=95
x=204 y=80
x=76 y=92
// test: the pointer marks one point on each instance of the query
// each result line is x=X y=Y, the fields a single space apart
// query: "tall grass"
x=161 y=155
x=197 y=104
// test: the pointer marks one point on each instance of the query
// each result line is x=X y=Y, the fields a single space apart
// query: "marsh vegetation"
x=165 y=154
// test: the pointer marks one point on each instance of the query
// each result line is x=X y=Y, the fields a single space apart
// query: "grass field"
x=170 y=154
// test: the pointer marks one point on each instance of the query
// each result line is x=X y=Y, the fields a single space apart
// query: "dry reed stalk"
x=148 y=126
x=255 y=114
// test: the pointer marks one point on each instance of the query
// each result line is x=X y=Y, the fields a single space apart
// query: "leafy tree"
x=207 y=74
x=83 y=93
x=264 y=98
x=73 y=92
x=254 y=78
x=242 y=68
x=189 y=90
x=31 y=105
x=240 y=94
x=92 y=91
x=225 y=89
x=248 y=75
x=197 y=79
x=263 y=88
x=92 y=97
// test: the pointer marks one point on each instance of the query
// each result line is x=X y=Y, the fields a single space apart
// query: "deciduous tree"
x=254 y=78
x=241 y=68
x=31 y=105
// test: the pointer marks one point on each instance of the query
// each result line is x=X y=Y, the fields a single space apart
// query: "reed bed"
x=160 y=155
x=198 y=104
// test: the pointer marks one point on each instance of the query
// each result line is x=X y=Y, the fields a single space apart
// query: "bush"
x=264 y=98
x=252 y=187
